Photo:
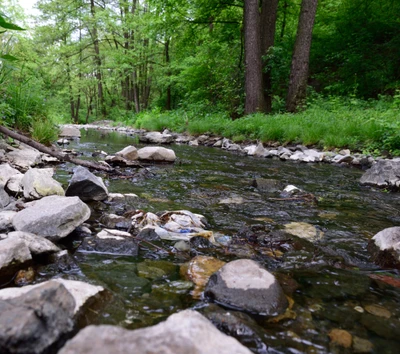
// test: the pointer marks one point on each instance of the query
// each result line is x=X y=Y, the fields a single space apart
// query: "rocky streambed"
x=197 y=249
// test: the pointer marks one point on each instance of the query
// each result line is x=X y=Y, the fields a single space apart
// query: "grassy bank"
x=370 y=127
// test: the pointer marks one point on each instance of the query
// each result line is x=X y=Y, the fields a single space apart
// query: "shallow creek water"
x=330 y=281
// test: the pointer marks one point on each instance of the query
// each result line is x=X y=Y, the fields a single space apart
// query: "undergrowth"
x=367 y=126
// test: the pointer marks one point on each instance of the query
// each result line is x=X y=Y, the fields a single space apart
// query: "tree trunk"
x=97 y=60
x=167 y=61
x=301 y=56
x=253 y=65
x=269 y=12
x=53 y=151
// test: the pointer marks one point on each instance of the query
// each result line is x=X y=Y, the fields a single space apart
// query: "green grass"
x=371 y=126
x=44 y=131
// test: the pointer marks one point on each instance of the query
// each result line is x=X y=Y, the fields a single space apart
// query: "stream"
x=332 y=282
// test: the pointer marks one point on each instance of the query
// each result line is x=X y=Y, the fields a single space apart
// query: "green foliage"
x=44 y=131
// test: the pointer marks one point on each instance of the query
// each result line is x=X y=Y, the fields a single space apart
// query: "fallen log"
x=53 y=151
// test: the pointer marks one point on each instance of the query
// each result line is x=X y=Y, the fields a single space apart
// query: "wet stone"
x=340 y=337
x=245 y=285
x=127 y=247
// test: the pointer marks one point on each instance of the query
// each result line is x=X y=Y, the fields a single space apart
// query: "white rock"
x=38 y=183
x=156 y=153
x=6 y=172
x=37 y=245
x=6 y=217
x=13 y=251
x=129 y=153
x=81 y=292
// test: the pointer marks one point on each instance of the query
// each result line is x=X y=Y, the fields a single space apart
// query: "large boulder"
x=37 y=245
x=13 y=253
x=156 y=153
x=83 y=293
x=86 y=186
x=182 y=333
x=129 y=153
x=385 y=247
x=384 y=173
x=156 y=138
x=244 y=284
x=38 y=183
x=53 y=216
x=70 y=132
x=34 y=322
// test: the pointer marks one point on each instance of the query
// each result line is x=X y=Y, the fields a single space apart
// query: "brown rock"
x=340 y=337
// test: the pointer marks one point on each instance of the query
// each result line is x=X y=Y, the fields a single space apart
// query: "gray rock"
x=86 y=186
x=6 y=172
x=155 y=153
x=245 y=285
x=6 y=217
x=194 y=143
x=81 y=292
x=267 y=185
x=342 y=159
x=38 y=183
x=156 y=138
x=13 y=252
x=4 y=198
x=37 y=245
x=53 y=216
x=218 y=143
x=34 y=322
x=384 y=173
x=14 y=185
x=62 y=141
x=385 y=247
x=129 y=153
x=182 y=333
x=24 y=157
x=63 y=262
x=70 y=132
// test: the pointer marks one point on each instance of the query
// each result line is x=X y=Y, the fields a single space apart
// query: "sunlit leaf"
x=8 y=57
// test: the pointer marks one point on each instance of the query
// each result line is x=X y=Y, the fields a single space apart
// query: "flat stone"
x=116 y=245
x=86 y=186
x=52 y=216
x=304 y=230
x=113 y=234
x=245 y=285
x=384 y=173
x=38 y=183
x=182 y=333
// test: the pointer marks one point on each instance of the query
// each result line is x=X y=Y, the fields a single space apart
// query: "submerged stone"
x=245 y=285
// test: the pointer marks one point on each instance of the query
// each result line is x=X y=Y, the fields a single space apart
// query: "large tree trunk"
x=253 y=65
x=269 y=12
x=167 y=61
x=301 y=56
x=53 y=151
x=97 y=60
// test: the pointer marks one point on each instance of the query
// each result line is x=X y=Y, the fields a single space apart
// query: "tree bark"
x=301 y=56
x=53 y=151
x=269 y=12
x=253 y=65
x=97 y=60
